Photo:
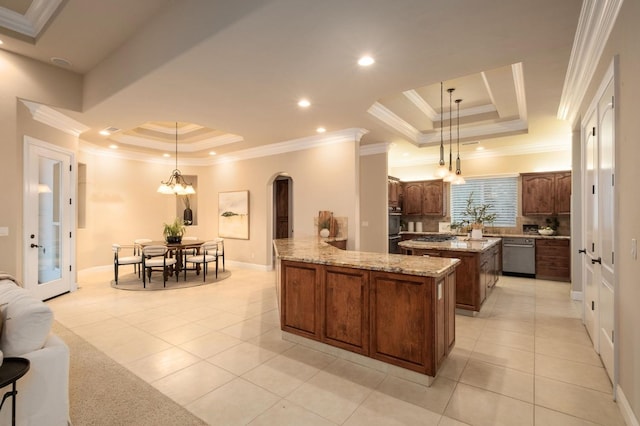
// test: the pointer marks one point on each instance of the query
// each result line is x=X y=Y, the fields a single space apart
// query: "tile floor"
x=525 y=359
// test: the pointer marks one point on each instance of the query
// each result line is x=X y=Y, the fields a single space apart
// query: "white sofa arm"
x=43 y=393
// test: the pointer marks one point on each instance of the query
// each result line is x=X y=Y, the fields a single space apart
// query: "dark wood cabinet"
x=553 y=259
x=341 y=244
x=394 y=192
x=424 y=198
x=300 y=289
x=546 y=193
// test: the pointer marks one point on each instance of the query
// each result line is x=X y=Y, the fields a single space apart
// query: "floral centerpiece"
x=174 y=231
x=475 y=217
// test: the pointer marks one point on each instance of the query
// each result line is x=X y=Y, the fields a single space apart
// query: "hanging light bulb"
x=450 y=174
x=442 y=170
x=458 y=179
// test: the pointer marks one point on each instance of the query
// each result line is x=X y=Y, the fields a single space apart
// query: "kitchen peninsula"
x=479 y=269
x=393 y=308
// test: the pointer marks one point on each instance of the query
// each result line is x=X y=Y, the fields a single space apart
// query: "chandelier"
x=176 y=184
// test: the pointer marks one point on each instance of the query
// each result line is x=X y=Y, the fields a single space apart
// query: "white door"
x=606 y=202
x=48 y=219
x=590 y=224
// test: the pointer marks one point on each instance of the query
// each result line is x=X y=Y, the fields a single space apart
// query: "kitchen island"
x=479 y=269
x=393 y=308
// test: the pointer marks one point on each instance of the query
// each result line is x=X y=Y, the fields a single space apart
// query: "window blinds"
x=500 y=192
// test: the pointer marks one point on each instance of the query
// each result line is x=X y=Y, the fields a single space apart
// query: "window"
x=500 y=192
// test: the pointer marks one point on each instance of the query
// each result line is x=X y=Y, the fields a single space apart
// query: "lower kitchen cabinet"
x=553 y=259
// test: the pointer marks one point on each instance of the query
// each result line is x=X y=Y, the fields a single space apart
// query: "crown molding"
x=521 y=99
x=373 y=149
x=597 y=19
x=170 y=146
x=421 y=104
x=497 y=128
x=55 y=119
x=186 y=128
x=33 y=21
x=385 y=115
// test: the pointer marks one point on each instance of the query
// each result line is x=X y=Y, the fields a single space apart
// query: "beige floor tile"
x=448 y=421
x=465 y=343
x=281 y=374
x=183 y=334
x=248 y=329
x=502 y=380
x=454 y=364
x=210 y=344
x=135 y=350
x=157 y=326
x=272 y=341
x=161 y=364
x=480 y=407
x=433 y=398
x=504 y=356
x=380 y=409
x=567 y=350
x=546 y=417
x=235 y=403
x=573 y=372
x=309 y=357
x=241 y=358
x=186 y=385
x=577 y=401
x=508 y=338
x=220 y=321
x=518 y=326
x=355 y=373
x=286 y=413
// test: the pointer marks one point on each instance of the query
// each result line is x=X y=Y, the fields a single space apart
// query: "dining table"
x=178 y=248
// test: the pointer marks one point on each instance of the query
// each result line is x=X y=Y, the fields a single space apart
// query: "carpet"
x=131 y=281
x=102 y=392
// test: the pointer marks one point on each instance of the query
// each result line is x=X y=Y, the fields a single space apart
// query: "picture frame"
x=233 y=214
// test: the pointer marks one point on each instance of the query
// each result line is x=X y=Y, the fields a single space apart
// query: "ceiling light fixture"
x=212 y=153
x=442 y=171
x=450 y=174
x=113 y=146
x=366 y=61
x=304 y=103
x=321 y=130
x=104 y=133
x=458 y=179
x=176 y=184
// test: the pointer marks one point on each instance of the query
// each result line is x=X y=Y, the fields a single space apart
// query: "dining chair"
x=220 y=242
x=119 y=260
x=155 y=256
x=137 y=251
x=208 y=253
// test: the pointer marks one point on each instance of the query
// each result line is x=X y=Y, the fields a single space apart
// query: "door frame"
x=69 y=219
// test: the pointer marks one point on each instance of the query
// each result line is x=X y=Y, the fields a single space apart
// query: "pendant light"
x=176 y=184
x=458 y=179
x=450 y=174
x=441 y=171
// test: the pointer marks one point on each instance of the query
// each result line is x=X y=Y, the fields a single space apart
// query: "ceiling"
x=231 y=73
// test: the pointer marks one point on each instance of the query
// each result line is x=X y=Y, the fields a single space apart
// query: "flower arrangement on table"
x=475 y=216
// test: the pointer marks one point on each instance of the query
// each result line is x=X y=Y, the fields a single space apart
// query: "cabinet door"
x=300 y=299
x=433 y=197
x=345 y=302
x=537 y=194
x=413 y=198
x=563 y=193
x=393 y=192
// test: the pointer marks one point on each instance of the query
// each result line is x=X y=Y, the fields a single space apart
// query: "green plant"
x=475 y=215
x=174 y=229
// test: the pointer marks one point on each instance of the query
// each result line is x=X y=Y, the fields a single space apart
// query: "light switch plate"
x=4 y=231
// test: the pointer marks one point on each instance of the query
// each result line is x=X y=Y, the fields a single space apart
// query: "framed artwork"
x=233 y=214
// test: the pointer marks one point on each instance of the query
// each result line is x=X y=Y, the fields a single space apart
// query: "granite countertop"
x=460 y=244
x=316 y=250
x=493 y=235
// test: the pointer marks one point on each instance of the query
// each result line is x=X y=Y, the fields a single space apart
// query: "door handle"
x=583 y=251
x=598 y=260
x=34 y=245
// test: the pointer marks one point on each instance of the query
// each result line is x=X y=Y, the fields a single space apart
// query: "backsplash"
x=430 y=224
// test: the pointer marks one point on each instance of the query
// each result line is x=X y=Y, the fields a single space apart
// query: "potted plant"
x=174 y=231
x=475 y=216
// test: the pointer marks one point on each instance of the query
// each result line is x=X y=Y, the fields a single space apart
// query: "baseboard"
x=576 y=295
x=625 y=409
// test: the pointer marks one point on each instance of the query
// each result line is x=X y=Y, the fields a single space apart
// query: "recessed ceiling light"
x=165 y=155
x=321 y=130
x=212 y=153
x=113 y=146
x=304 y=103
x=104 y=132
x=480 y=148
x=1 y=42
x=61 y=62
x=366 y=61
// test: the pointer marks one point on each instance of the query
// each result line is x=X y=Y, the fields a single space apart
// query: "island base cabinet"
x=345 y=302
x=300 y=306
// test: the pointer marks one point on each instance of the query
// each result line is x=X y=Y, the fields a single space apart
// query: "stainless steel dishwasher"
x=519 y=256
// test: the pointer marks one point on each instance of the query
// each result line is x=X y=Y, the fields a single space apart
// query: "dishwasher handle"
x=519 y=245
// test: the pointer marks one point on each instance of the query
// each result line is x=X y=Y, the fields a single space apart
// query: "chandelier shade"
x=176 y=184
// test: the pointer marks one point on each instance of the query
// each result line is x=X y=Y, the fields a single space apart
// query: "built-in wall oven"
x=519 y=256
x=394 y=232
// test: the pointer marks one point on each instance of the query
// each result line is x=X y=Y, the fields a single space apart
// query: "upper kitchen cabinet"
x=395 y=191
x=546 y=193
x=424 y=198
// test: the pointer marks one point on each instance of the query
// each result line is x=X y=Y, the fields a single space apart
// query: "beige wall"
x=624 y=42
x=32 y=80
x=373 y=203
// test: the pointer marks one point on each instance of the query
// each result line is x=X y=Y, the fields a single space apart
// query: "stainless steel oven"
x=394 y=223
x=519 y=256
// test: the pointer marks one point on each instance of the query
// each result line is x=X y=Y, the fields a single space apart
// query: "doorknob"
x=598 y=260
x=584 y=251
x=34 y=245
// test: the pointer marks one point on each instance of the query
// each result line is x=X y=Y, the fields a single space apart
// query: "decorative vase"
x=187 y=216
x=324 y=233
x=174 y=239
x=476 y=233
